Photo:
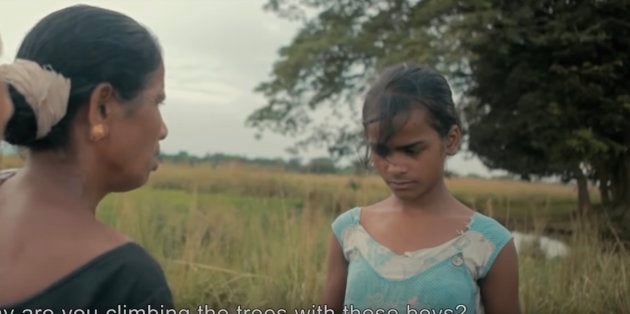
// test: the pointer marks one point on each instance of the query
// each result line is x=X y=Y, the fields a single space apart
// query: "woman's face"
x=134 y=137
x=6 y=108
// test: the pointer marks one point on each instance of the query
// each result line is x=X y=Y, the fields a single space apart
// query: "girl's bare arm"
x=335 y=288
x=499 y=289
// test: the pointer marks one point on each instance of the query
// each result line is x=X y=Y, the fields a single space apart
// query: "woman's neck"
x=59 y=179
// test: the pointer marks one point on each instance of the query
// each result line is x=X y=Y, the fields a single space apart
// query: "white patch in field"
x=551 y=248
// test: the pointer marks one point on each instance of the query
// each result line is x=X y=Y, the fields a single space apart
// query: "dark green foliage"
x=548 y=92
x=329 y=62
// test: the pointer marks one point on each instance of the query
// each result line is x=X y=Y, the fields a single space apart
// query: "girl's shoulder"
x=489 y=238
x=490 y=228
x=345 y=222
x=347 y=218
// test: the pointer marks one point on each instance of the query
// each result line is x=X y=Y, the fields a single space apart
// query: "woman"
x=85 y=89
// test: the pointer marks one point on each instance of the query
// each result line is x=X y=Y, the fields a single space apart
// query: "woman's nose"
x=163 y=131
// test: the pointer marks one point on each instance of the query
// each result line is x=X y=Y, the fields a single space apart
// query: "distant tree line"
x=319 y=165
x=322 y=165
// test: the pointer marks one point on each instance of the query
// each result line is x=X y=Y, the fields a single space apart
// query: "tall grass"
x=256 y=237
x=232 y=235
x=593 y=278
x=225 y=251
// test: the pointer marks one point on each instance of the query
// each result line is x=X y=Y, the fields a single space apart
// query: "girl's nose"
x=395 y=165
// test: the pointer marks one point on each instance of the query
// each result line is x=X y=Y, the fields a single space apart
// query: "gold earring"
x=98 y=132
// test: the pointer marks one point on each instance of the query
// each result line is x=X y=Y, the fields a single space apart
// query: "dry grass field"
x=235 y=234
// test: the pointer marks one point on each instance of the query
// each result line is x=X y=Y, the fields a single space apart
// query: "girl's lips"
x=401 y=184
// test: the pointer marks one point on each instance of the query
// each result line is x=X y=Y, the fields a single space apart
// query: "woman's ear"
x=453 y=140
x=100 y=110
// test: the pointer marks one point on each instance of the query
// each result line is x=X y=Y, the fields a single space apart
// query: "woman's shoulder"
x=129 y=259
x=125 y=275
x=133 y=258
x=138 y=277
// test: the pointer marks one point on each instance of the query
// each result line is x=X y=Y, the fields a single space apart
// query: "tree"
x=321 y=165
x=330 y=61
x=543 y=84
x=548 y=93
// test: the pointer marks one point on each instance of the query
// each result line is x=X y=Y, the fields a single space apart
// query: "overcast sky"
x=215 y=53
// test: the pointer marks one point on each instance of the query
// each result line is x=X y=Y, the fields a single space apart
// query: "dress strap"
x=345 y=221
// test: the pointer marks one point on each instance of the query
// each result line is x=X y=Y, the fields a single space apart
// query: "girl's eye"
x=412 y=151
x=381 y=150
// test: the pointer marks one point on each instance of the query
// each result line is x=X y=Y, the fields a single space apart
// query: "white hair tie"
x=45 y=90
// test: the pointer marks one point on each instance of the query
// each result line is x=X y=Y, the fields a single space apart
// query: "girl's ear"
x=453 y=140
x=100 y=109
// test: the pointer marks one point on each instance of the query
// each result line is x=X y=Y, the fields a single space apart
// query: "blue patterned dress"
x=440 y=278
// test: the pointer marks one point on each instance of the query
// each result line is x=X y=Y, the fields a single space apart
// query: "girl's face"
x=6 y=108
x=412 y=162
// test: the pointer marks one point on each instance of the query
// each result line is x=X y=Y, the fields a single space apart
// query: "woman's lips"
x=156 y=160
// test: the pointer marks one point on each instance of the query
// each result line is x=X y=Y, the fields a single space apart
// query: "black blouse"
x=125 y=277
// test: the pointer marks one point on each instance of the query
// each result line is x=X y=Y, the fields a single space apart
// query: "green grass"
x=237 y=235
x=256 y=237
x=226 y=250
x=594 y=278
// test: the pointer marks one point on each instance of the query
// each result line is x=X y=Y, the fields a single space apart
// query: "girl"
x=420 y=250
x=85 y=89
